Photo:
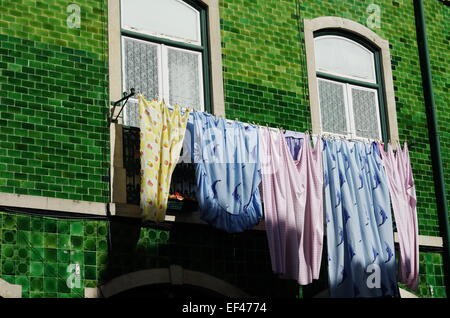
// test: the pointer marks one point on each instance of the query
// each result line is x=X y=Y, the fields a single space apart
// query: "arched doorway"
x=167 y=291
x=171 y=282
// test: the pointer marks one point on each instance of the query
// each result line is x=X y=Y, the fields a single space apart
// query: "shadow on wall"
x=240 y=259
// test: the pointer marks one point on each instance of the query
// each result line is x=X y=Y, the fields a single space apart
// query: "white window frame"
x=163 y=72
x=117 y=170
x=348 y=99
x=349 y=111
x=344 y=75
x=352 y=111
x=165 y=36
x=330 y=22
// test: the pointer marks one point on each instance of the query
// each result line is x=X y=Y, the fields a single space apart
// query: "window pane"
x=166 y=18
x=332 y=107
x=365 y=112
x=140 y=72
x=184 y=78
x=344 y=57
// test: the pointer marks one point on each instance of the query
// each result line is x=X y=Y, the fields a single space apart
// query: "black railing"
x=183 y=178
x=132 y=163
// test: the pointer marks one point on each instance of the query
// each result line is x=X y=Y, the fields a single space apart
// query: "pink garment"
x=403 y=197
x=293 y=201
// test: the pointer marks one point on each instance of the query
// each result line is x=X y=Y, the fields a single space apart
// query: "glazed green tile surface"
x=46 y=22
x=54 y=100
x=438 y=31
x=39 y=258
x=54 y=137
x=431 y=276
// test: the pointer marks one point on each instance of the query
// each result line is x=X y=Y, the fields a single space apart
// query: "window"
x=349 y=86
x=164 y=53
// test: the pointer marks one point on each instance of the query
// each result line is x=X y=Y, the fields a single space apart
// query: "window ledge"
x=52 y=204
x=133 y=211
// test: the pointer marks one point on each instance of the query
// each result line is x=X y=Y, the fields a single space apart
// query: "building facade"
x=69 y=219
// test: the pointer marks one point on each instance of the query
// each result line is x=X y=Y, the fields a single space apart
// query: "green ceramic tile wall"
x=54 y=136
x=36 y=252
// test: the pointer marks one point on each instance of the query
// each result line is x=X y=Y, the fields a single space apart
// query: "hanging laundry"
x=360 y=238
x=293 y=201
x=226 y=158
x=162 y=133
x=294 y=141
x=403 y=196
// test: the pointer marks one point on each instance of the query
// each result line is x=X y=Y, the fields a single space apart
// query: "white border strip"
x=52 y=204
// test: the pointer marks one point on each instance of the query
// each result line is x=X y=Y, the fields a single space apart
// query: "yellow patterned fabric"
x=162 y=133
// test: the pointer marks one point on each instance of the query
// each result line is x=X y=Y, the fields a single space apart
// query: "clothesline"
x=320 y=135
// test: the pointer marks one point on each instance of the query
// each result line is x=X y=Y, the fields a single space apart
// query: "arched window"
x=164 y=53
x=349 y=86
x=351 y=90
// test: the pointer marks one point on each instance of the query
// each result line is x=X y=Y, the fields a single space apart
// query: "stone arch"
x=174 y=275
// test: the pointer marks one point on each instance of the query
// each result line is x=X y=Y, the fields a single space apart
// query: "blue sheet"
x=360 y=237
x=226 y=158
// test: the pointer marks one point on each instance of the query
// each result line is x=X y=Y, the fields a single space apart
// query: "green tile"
x=76 y=228
x=90 y=272
x=62 y=286
x=102 y=229
x=23 y=223
x=23 y=253
x=102 y=258
x=9 y=222
x=22 y=268
x=63 y=256
x=23 y=238
x=50 y=285
x=76 y=242
x=90 y=229
x=50 y=226
x=9 y=237
x=63 y=227
x=64 y=241
x=8 y=251
x=63 y=270
x=8 y=267
x=90 y=244
x=37 y=254
x=50 y=240
x=36 y=284
x=37 y=239
x=50 y=255
x=90 y=258
x=77 y=257
x=37 y=225
x=36 y=269
x=50 y=269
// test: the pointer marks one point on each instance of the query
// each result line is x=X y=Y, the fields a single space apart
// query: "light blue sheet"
x=358 y=220
x=226 y=158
